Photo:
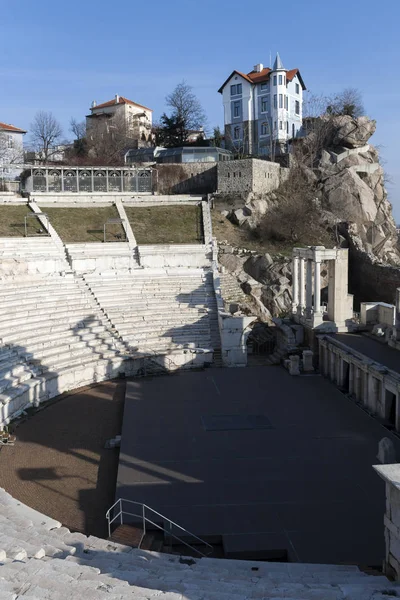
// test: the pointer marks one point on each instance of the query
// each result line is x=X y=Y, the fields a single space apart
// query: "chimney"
x=258 y=68
x=94 y=104
x=116 y=98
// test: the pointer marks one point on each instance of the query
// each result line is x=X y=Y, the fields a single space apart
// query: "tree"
x=217 y=137
x=77 y=128
x=107 y=139
x=293 y=217
x=349 y=102
x=186 y=110
x=170 y=131
x=46 y=131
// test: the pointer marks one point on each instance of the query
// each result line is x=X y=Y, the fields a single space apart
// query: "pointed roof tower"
x=278 y=63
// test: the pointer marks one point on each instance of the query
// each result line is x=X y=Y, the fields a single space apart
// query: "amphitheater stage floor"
x=244 y=452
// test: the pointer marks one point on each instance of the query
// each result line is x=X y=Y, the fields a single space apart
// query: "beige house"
x=120 y=113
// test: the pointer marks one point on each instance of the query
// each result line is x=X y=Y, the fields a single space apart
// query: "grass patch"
x=12 y=221
x=85 y=224
x=166 y=224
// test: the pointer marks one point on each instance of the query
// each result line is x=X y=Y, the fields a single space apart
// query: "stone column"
x=295 y=283
x=309 y=289
x=351 y=379
x=301 y=286
x=398 y=314
x=317 y=287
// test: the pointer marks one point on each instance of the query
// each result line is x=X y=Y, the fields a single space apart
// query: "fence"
x=89 y=180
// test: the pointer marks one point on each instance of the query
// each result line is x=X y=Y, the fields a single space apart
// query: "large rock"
x=349 y=197
x=352 y=133
x=257 y=267
x=232 y=262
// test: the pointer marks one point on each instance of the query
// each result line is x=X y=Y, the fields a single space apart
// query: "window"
x=264 y=86
x=236 y=89
x=264 y=129
x=264 y=104
x=280 y=100
x=274 y=79
x=275 y=101
x=275 y=124
x=287 y=127
x=284 y=80
x=280 y=79
x=297 y=88
x=236 y=109
x=10 y=141
x=293 y=131
x=297 y=109
x=286 y=103
x=280 y=125
x=236 y=133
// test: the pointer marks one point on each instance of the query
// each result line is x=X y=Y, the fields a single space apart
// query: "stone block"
x=308 y=366
x=386 y=452
x=294 y=363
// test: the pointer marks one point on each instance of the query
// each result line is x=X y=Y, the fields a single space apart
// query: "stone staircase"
x=41 y=560
x=231 y=291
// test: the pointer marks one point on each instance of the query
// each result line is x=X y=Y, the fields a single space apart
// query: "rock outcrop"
x=351 y=185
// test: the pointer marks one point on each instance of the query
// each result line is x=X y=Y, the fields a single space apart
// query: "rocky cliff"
x=350 y=204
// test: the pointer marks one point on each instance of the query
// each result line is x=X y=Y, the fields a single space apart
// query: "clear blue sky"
x=60 y=56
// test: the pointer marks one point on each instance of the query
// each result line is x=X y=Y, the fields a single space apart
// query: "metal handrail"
x=146 y=519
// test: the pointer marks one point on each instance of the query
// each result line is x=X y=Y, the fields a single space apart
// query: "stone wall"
x=246 y=176
x=185 y=178
x=370 y=280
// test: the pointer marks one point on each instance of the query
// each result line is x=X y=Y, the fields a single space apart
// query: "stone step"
x=30 y=334
x=74 y=317
x=62 y=359
x=57 y=352
x=44 y=308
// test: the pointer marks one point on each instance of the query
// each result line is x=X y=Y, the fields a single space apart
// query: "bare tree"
x=186 y=109
x=348 y=102
x=77 y=128
x=238 y=141
x=293 y=218
x=107 y=139
x=46 y=131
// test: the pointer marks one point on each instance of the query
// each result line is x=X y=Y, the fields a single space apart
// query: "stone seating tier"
x=161 y=311
x=41 y=560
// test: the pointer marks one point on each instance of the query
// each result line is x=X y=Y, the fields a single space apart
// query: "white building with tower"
x=263 y=109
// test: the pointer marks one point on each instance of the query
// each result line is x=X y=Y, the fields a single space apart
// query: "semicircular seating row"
x=60 y=330
x=40 y=559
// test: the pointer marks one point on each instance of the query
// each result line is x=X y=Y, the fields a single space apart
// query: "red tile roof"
x=262 y=76
x=259 y=76
x=7 y=127
x=121 y=100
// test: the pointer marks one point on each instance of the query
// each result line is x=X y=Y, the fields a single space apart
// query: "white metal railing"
x=166 y=527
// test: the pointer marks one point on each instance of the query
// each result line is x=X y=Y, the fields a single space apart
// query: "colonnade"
x=306 y=287
x=372 y=384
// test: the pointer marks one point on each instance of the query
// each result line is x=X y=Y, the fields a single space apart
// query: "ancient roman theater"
x=157 y=440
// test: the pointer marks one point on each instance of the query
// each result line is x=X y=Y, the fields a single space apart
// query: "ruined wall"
x=185 y=178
